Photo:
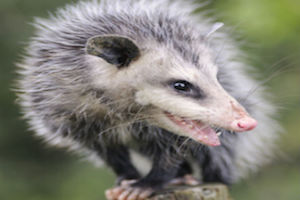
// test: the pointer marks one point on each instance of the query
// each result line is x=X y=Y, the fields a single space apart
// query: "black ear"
x=114 y=49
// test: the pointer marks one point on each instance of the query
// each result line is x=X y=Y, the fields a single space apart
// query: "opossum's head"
x=182 y=97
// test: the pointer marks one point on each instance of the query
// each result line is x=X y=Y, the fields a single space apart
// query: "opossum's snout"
x=197 y=110
x=204 y=130
x=211 y=111
x=244 y=124
x=238 y=120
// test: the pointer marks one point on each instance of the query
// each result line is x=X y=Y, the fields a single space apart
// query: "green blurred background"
x=30 y=170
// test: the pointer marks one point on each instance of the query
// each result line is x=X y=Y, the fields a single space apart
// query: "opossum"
x=108 y=78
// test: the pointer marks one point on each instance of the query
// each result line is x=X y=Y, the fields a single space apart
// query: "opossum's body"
x=103 y=78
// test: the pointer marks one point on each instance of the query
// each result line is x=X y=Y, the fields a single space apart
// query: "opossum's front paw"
x=185 y=180
x=127 y=192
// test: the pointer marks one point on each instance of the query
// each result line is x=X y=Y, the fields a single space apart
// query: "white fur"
x=158 y=62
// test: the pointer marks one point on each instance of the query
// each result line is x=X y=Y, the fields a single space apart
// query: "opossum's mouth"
x=197 y=130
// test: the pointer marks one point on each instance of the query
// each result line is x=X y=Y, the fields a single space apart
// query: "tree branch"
x=203 y=192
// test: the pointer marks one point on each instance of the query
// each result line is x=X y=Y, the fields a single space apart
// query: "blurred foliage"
x=31 y=170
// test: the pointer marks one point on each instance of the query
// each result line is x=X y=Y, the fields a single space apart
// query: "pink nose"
x=243 y=124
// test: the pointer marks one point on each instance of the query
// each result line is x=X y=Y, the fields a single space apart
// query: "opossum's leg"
x=184 y=176
x=213 y=174
x=216 y=168
x=117 y=157
x=184 y=169
x=163 y=170
x=187 y=179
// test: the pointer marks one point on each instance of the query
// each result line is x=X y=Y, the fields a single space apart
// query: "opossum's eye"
x=182 y=86
x=187 y=89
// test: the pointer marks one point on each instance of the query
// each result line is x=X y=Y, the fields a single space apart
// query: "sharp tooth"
x=219 y=133
x=177 y=118
x=191 y=126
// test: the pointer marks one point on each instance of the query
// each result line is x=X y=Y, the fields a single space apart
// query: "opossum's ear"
x=114 y=49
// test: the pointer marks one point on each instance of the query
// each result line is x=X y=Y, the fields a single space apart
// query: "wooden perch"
x=203 y=192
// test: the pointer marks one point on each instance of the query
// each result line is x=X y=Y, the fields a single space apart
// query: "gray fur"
x=64 y=107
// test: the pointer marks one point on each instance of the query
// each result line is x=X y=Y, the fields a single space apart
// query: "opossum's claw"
x=113 y=193
x=135 y=194
x=127 y=183
x=185 y=180
x=126 y=192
